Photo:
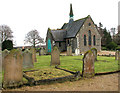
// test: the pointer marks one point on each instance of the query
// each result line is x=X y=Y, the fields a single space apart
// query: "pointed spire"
x=71 y=11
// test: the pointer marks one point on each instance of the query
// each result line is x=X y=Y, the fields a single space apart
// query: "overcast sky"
x=25 y=15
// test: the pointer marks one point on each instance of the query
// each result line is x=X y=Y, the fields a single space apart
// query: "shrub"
x=104 y=48
x=118 y=48
x=111 y=46
x=7 y=44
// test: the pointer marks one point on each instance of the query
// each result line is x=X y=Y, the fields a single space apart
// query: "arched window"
x=94 y=40
x=89 y=36
x=85 y=40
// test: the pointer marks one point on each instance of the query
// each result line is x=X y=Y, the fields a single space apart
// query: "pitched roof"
x=59 y=35
x=74 y=27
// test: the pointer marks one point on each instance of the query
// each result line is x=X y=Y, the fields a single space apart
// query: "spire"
x=71 y=11
x=71 y=15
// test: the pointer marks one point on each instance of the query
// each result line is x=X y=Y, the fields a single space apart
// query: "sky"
x=23 y=16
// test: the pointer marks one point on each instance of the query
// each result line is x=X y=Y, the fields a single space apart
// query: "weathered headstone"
x=88 y=64
x=116 y=55
x=94 y=50
x=13 y=73
x=27 y=59
x=55 y=56
x=41 y=52
x=4 y=54
x=33 y=51
x=69 y=51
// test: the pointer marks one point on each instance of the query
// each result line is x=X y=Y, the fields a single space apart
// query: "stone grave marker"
x=94 y=50
x=13 y=73
x=27 y=59
x=116 y=55
x=33 y=51
x=4 y=54
x=41 y=52
x=88 y=64
x=55 y=56
x=77 y=52
x=69 y=51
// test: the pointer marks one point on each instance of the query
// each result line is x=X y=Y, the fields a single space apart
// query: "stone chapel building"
x=81 y=35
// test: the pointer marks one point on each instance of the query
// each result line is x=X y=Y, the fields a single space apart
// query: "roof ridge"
x=81 y=18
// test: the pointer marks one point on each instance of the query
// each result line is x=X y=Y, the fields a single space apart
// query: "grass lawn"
x=74 y=63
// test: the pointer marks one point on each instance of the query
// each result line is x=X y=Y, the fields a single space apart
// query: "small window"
x=59 y=44
x=94 y=40
x=89 y=24
x=85 y=40
x=89 y=35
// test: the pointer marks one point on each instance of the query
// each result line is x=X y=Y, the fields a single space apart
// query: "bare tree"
x=6 y=33
x=33 y=38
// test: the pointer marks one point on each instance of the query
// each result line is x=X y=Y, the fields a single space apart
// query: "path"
x=98 y=83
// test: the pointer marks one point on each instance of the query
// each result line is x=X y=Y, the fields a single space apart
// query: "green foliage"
x=104 y=48
x=7 y=44
x=75 y=63
x=106 y=37
x=118 y=48
x=111 y=46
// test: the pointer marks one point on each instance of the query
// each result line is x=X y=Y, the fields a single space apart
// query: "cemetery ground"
x=43 y=70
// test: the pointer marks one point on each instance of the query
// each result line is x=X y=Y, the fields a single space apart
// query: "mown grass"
x=75 y=63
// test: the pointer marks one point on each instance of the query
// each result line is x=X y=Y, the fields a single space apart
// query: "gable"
x=86 y=27
x=58 y=35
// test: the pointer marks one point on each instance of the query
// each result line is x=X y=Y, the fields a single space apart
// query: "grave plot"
x=47 y=73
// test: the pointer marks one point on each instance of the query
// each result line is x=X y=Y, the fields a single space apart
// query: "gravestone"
x=41 y=52
x=4 y=54
x=69 y=51
x=88 y=64
x=27 y=59
x=94 y=50
x=55 y=56
x=116 y=55
x=13 y=73
x=33 y=51
x=77 y=51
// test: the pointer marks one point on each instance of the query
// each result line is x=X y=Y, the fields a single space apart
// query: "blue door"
x=49 y=46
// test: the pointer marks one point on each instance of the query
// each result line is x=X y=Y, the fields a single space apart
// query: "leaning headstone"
x=116 y=55
x=13 y=73
x=55 y=56
x=27 y=59
x=69 y=51
x=33 y=51
x=94 y=50
x=4 y=54
x=88 y=64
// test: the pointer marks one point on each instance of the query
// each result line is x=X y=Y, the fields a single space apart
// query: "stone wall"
x=84 y=31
